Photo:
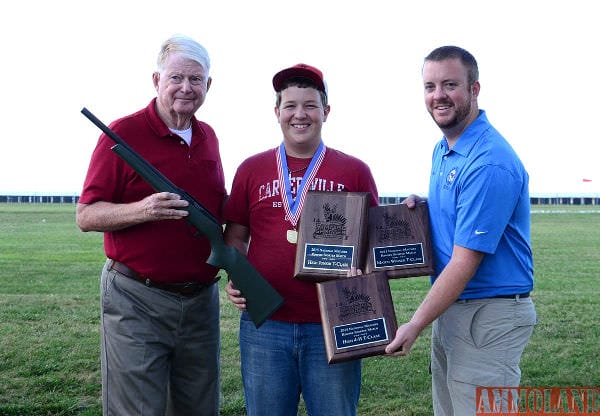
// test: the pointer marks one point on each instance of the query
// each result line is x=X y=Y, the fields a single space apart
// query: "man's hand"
x=412 y=200
x=106 y=216
x=406 y=335
x=164 y=206
x=353 y=271
x=235 y=296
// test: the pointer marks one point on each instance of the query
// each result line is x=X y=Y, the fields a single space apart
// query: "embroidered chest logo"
x=451 y=176
x=392 y=229
x=332 y=225
x=354 y=304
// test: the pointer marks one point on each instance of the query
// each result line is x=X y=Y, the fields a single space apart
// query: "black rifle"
x=261 y=298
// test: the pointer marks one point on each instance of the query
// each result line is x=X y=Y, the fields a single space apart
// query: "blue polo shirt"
x=479 y=199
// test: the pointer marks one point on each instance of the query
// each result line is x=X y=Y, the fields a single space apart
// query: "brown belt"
x=187 y=289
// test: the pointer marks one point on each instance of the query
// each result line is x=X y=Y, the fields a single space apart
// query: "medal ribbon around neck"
x=293 y=207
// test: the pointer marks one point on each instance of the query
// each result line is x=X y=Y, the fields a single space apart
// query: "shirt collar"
x=158 y=126
x=469 y=137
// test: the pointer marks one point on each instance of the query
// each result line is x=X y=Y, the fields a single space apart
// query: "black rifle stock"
x=261 y=298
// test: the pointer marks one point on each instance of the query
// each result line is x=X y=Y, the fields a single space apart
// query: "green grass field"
x=49 y=318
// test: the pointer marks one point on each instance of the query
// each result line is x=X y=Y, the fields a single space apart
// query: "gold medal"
x=292 y=236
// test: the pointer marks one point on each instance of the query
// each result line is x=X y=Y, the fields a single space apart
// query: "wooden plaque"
x=400 y=241
x=332 y=235
x=357 y=315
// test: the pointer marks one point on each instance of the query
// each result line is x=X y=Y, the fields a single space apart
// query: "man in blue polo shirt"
x=478 y=202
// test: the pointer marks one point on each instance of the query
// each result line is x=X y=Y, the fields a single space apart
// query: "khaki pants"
x=159 y=350
x=477 y=343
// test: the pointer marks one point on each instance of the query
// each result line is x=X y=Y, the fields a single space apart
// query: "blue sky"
x=538 y=70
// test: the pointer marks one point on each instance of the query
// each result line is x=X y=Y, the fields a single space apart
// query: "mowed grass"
x=49 y=318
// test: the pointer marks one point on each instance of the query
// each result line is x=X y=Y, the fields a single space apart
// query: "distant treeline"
x=383 y=200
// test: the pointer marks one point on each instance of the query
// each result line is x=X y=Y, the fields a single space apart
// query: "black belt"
x=519 y=296
x=187 y=289
x=515 y=297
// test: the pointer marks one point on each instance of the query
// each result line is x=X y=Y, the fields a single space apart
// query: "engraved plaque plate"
x=357 y=315
x=332 y=235
x=400 y=241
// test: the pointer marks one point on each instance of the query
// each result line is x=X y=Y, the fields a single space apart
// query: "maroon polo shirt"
x=167 y=250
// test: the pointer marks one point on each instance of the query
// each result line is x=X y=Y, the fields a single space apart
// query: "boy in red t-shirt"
x=286 y=355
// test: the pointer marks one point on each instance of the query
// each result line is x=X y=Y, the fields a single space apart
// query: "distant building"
x=566 y=199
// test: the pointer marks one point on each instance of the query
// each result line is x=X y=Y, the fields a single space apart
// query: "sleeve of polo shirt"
x=486 y=203
x=106 y=175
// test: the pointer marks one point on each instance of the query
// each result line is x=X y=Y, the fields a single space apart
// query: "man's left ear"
x=475 y=88
x=208 y=83
x=326 y=112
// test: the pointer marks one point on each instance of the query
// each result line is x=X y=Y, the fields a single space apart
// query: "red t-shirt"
x=255 y=202
x=167 y=250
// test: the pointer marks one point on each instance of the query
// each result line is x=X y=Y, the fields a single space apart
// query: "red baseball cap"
x=300 y=70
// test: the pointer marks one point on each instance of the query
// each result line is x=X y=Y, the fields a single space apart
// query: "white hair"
x=185 y=46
